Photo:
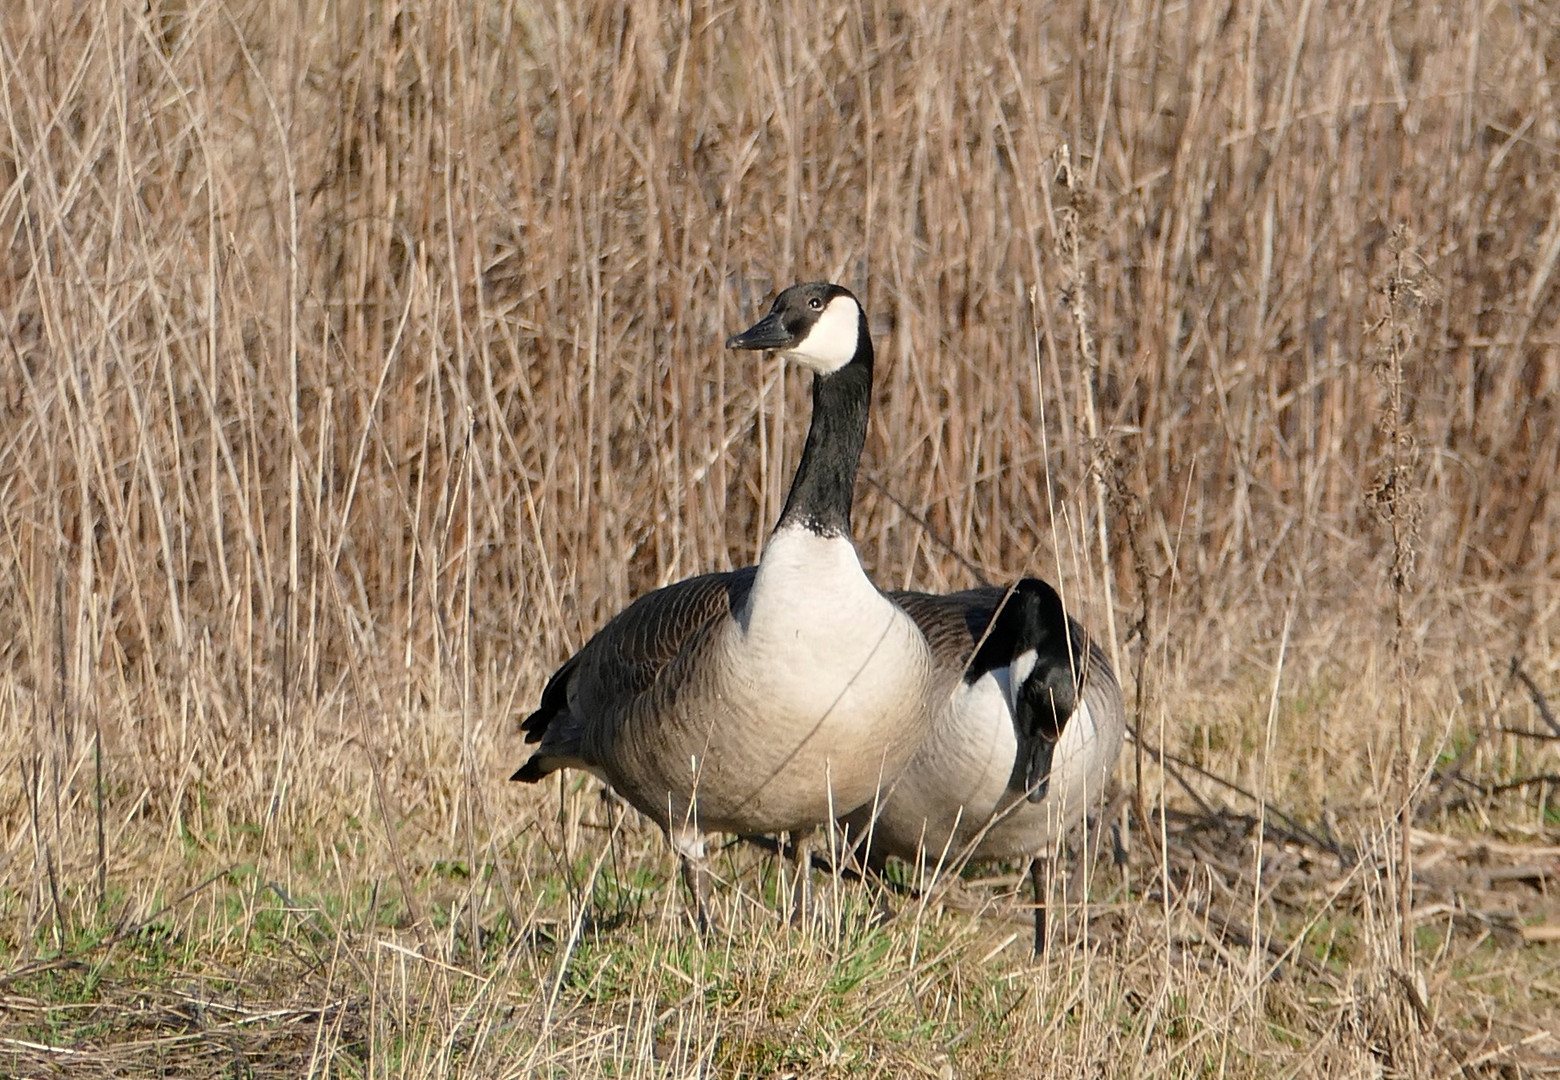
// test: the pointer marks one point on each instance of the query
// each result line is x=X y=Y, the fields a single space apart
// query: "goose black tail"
x=531 y=771
x=554 y=727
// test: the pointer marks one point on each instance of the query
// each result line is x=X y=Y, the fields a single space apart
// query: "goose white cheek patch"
x=1023 y=666
x=831 y=343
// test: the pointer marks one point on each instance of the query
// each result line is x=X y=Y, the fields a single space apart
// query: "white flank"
x=983 y=733
x=831 y=343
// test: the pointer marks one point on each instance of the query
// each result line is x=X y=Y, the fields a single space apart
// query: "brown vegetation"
x=359 y=359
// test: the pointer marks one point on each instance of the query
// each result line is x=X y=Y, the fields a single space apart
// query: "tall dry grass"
x=362 y=358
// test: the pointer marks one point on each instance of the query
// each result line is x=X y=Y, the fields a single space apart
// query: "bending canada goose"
x=766 y=699
x=1026 y=734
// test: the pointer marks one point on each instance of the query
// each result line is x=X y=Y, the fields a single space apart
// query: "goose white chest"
x=817 y=638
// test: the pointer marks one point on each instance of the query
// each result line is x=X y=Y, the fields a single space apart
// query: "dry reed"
x=361 y=358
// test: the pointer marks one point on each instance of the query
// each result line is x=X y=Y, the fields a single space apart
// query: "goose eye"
x=815 y=303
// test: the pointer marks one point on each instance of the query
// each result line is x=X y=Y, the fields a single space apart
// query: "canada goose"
x=767 y=699
x=1028 y=726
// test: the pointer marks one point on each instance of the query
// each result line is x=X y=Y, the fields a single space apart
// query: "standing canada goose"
x=767 y=699
x=1028 y=724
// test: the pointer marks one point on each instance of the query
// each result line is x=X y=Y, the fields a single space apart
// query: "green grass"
x=848 y=994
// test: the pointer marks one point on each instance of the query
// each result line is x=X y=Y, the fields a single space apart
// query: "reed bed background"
x=361 y=358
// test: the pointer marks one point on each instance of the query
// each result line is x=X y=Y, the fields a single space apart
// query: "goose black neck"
x=825 y=482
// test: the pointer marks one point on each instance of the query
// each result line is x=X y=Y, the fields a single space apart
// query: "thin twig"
x=1298 y=832
x=1542 y=736
x=1539 y=701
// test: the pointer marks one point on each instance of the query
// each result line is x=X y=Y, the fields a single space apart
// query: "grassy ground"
x=360 y=359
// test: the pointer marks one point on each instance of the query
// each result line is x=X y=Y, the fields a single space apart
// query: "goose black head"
x=1043 y=678
x=818 y=325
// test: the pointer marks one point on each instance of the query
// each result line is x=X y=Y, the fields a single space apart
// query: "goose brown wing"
x=651 y=638
x=953 y=623
x=1101 y=689
x=642 y=645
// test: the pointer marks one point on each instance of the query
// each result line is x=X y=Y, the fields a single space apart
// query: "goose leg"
x=695 y=873
x=801 y=885
x=1038 y=868
x=696 y=876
